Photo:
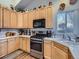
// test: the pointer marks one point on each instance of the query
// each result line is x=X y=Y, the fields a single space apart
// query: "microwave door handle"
x=36 y=42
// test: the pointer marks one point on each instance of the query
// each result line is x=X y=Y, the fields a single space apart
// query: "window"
x=65 y=22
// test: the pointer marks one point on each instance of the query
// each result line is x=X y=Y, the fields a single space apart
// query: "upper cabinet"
x=25 y=20
x=6 y=18
x=12 y=19
x=49 y=16
x=0 y=17
x=20 y=20
x=42 y=13
x=13 y=23
x=31 y=18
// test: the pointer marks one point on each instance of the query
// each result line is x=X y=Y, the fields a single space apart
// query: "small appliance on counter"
x=9 y=34
x=21 y=32
x=49 y=33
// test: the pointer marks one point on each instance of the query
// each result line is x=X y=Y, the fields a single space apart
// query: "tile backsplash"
x=3 y=31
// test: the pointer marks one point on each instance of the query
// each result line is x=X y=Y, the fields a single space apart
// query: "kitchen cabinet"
x=11 y=45
x=25 y=20
x=47 y=49
x=6 y=18
x=30 y=21
x=49 y=17
x=42 y=13
x=13 y=23
x=21 y=42
x=3 y=48
x=17 y=43
x=37 y=13
x=59 y=51
x=28 y=45
x=20 y=20
x=25 y=44
x=0 y=16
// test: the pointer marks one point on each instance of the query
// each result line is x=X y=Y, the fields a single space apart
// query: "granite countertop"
x=3 y=38
x=73 y=47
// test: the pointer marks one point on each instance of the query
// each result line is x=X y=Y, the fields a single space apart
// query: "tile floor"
x=18 y=55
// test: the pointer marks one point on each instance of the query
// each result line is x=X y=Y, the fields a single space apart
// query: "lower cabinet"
x=47 y=49
x=17 y=43
x=28 y=45
x=25 y=44
x=3 y=48
x=59 y=54
x=11 y=45
x=54 y=50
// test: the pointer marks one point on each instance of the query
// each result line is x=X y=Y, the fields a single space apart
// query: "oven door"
x=36 y=45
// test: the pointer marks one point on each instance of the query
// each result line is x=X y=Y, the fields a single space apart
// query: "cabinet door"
x=30 y=15
x=13 y=20
x=37 y=14
x=0 y=17
x=6 y=17
x=24 y=44
x=47 y=49
x=28 y=45
x=42 y=13
x=11 y=45
x=49 y=20
x=21 y=43
x=25 y=20
x=20 y=20
x=17 y=43
x=3 y=48
x=59 y=54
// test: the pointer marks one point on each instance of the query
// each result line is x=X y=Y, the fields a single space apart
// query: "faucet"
x=69 y=38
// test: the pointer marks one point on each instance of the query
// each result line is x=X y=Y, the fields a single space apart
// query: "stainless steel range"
x=36 y=44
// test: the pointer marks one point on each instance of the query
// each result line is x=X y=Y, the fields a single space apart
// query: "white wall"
x=7 y=3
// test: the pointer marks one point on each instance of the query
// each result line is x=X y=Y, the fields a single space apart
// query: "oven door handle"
x=36 y=42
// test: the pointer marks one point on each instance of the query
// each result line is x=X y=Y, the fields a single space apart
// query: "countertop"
x=3 y=38
x=73 y=47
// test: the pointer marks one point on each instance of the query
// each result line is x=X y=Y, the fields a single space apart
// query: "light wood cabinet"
x=25 y=44
x=49 y=17
x=25 y=20
x=11 y=45
x=30 y=15
x=37 y=13
x=17 y=43
x=0 y=17
x=28 y=45
x=6 y=18
x=47 y=49
x=20 y=20
x=21 y=43
x=42 y=13
x=3 y=48
x=13 y=23
x=59 y=51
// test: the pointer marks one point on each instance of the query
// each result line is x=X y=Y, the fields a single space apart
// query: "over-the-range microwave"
x=39 y=23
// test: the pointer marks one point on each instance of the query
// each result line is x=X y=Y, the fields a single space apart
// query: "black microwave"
x=39 y=23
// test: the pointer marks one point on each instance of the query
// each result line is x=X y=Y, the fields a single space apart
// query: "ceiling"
x=29 y=3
